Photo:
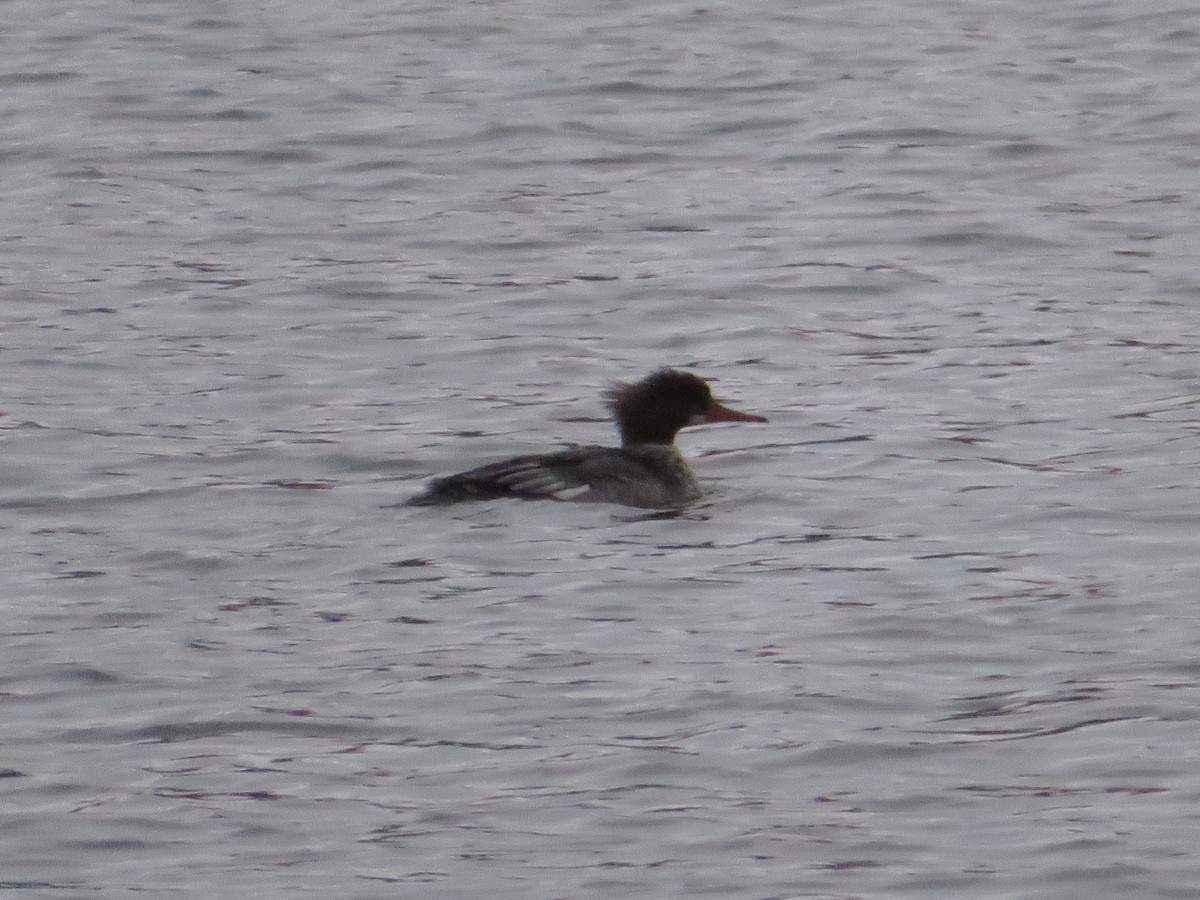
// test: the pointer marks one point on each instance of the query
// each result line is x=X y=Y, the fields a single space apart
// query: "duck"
x=646 y=470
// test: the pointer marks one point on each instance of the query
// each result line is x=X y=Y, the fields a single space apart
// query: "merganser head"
x=654 y=409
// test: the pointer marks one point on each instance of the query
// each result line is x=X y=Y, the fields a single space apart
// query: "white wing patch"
x=570 y=493
x=534 y=478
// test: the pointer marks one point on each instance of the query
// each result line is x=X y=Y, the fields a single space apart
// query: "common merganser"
x=645 y=471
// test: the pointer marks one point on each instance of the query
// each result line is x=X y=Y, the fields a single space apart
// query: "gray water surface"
x=267 y=267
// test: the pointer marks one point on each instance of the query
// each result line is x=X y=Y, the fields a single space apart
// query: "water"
x=266 y=269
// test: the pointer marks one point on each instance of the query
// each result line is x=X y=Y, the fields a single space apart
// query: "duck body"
x=650 y=476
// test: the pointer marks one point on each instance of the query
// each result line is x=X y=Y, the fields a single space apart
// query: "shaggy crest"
x=652 y=411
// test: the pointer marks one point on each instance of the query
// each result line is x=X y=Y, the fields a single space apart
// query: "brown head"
x=654 y=409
